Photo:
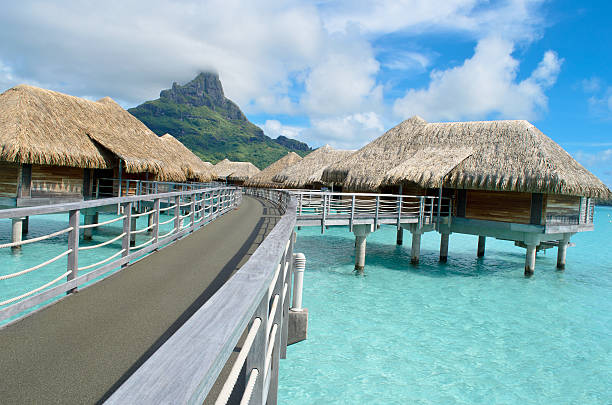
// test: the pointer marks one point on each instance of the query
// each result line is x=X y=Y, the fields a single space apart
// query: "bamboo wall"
x=50 y=181
x=498 y=206
x=9 y=179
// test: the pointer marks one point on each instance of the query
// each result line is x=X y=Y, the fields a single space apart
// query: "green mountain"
x=213 y=127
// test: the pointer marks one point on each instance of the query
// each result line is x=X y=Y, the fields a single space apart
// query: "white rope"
x=272 y=314
x=228 y=387
x=198 y=220
x=248 y=391
x=110 y=221
x=19 y=273
x=39 y=238
x=274 y=279
x=168 y=221
x=185 y=204
x=271 y=342
x=167 y=208
x=167 y=234
x=108 y=242
x=142 y=230
x=142 y=213
x=102 y=261
x=285 y=291
x=184 y=216
x=143 y=244
x=35 y=290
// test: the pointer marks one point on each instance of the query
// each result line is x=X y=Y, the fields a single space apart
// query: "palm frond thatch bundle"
x=309 y=170
x=264 y=178
x=235 y=171
x=487 y=155
x=193 y=167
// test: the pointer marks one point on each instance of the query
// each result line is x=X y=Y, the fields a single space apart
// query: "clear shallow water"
x=468 y=332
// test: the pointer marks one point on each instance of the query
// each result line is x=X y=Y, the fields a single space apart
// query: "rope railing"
x=38 y=266
x=108 y=259
x=110 y=221
x=108 y=242
x=131 y=208
x=37 y=239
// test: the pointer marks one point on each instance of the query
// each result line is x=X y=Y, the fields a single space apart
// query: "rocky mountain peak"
x=204 y=90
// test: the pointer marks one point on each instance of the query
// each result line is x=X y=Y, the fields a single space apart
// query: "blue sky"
x=338 y=72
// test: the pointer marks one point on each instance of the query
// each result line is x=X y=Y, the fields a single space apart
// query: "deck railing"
x=328 y=206
x=255 y=303
x=109 y=187
x=182 y=212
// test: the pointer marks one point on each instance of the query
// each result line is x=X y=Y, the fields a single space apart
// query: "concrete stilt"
x=481 y=245
x=444 y=247
x=26 y=226
x=133 y=228
x=530 y=258
x=400 y=236
x=17 y=232
x=415 y=252
x=361 y=232
x=561 y=252
x=88 y=232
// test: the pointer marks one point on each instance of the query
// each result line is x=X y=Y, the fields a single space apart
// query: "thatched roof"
x=235 y=171
x=264 y=178
x=193 y=167
x=489 y=155
x=309 y=170
x=46 y=127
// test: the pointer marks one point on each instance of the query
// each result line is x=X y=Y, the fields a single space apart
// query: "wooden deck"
x=82 y=348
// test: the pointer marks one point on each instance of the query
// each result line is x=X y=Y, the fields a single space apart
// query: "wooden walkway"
x=82 y=348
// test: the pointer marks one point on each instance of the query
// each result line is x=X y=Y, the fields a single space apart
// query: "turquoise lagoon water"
x=468 y=332
x=39 y=252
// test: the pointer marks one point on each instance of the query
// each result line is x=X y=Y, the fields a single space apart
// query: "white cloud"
x=274 y=129
x=406 y=61
x=484 y=84
x=346 y=132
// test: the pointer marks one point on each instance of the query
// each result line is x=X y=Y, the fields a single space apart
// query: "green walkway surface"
x=79 y=350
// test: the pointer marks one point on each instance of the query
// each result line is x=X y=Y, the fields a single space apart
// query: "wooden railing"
x=255 y=303
x=379 y=208
x=187 y=211
x=109 y=187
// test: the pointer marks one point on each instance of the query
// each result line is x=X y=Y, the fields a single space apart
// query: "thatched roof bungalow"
x=505 y=179
x=264 y=178
x=194 y=168
x=308 y=171
x=55 y=145
x=235 y=172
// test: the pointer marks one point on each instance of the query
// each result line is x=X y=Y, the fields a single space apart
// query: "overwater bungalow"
x=307 y=173
x=506 y=180
x=235 y=172
x=194 y=168
x=264 y=178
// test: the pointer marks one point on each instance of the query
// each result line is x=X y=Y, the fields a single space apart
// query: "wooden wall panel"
x=56 y=180
x=562 y=205
x=498 y=206
x=9 y=179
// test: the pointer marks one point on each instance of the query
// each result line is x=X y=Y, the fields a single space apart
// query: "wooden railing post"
x=127 y=229
x=300 y=204
x=257 y=356
x=177 y=213
x=97 y=189
x=376 y=213
x=192 y=213
x=156 y=206
x=352 y=212
x=73 y=245
x=399 y=212
x=287 y=298
x=324 y=206
x=421 y=208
